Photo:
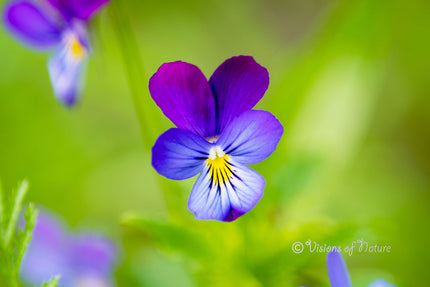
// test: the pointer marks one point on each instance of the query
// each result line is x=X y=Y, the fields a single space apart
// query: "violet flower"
x=82 y=260
x=59 y=25
x=339 y=275
x=217 y=134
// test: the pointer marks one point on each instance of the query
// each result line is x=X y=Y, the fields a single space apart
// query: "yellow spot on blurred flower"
x=76 y=48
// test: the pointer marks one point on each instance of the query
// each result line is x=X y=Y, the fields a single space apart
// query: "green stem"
x=133 y=66
x=136 y=76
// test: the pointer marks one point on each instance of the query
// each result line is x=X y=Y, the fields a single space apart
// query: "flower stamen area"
x=212 y=139
x=219 y=167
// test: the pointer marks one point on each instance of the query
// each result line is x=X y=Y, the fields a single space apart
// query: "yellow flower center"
x=219 y=167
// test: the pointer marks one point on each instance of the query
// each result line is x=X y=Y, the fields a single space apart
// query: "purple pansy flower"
x=81 y=260
x=218 y=134
x=339 y=275
x=58 y=25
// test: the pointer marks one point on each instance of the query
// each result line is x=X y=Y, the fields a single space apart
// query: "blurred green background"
x=349 y=82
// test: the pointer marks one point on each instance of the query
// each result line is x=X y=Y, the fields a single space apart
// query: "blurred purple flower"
x=81 y=260
x=217 y=134
x=339 y=275
x=59 y=25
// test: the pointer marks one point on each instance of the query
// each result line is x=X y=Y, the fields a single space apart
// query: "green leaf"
x=171 y=237
x=13 y=243
x=52 y=283
x=16 y=210
x=30 y=217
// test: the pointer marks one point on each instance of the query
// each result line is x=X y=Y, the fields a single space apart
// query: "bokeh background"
x=349 y=82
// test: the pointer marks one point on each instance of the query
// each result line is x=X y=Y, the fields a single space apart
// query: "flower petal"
x=251 y=137
x=65 y=71
x=183 y=94
x=238 y=84
x=92 y=253
x=337 y=270
x=30 y=25
x=215 y=197
x=46 y=254
x=81 y=9
x=381 y=283
x=179 y=154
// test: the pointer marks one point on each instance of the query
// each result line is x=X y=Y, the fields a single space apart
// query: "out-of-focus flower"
x=82 y=260
x=339 y=275
x=59 y=25
x=218 y=134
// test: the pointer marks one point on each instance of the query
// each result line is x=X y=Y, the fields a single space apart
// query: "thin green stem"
x=138 y=84
x=133 y=66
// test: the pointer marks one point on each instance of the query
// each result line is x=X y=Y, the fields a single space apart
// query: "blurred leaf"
x=13 y=242
x=2 y=211
x=52 y=283
x=150 y=267
x=293 y=176
x=170 y=237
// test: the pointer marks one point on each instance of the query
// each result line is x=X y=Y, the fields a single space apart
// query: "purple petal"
x=381 y=283
x=179 y=154
x=251 y=137
x=337 y=270
x=92 y=254
x=81 y=9
x=227 y=199
x=83 y=259
x=183 y=94
x=65 y=71
x=238 y=84
x=93 y=280
x=30 y=25
x=206 y=200
x=46 y=254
